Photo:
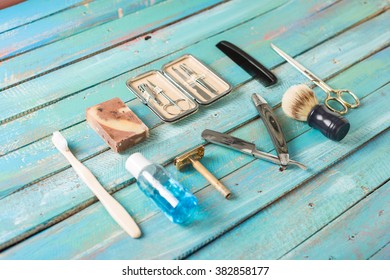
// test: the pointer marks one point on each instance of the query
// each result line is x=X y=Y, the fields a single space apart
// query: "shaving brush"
x=299 y=102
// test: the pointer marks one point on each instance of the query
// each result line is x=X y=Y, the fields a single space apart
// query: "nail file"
x=200 y=91
x=194 y=75
x=252 y=66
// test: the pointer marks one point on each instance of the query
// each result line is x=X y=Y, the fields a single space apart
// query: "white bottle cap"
x=135 y=163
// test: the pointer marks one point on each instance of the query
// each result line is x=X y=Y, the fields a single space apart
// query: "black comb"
x=248 y=63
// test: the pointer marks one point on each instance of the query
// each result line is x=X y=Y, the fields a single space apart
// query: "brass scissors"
x=338 y=98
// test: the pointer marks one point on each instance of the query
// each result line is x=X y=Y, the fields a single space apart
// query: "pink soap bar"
x=117 y=124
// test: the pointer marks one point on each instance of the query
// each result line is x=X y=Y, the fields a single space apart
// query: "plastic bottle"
x=177 y=203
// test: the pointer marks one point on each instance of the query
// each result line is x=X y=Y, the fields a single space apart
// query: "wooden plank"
x=64 y=188
x=23 y=130
x=357 y=234
x=34 y=94
x=95 y=40
x=294 y=218
x=27 y=12
x=8 y=3
x=101 y=238
x=221 y=215
x=12 y=162
x=55 y=162
x=60 y=113
x=65 y=24
x=216 y=216
x=383 y=254
x=117 y=32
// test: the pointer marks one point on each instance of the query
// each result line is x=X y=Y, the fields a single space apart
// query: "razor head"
x=284 y=160
x=184 y=159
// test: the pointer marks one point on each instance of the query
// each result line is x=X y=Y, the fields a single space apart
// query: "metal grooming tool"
x=338 y=98
x=197 y=78
x=228 y=141
x=149 y=94
x=201 y=92
x=193 y=157
x=274 y=129
x=172 y=102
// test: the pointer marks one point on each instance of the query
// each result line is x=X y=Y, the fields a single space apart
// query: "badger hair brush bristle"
x=298 y=101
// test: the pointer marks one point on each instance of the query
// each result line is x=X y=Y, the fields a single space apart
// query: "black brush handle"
x=248 y=63
x=331 y=124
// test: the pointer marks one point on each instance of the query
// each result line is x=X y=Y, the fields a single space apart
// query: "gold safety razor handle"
x=192 y=157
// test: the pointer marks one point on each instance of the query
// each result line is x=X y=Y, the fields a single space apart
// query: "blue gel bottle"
x=177 y=203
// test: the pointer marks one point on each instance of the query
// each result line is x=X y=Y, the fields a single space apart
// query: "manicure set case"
x=179 y=89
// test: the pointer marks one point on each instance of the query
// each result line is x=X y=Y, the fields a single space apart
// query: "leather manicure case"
x=177 y=90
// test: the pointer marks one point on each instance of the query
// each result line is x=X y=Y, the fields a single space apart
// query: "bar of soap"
x=119 y=127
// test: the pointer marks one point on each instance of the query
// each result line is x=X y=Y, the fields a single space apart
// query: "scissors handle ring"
x=175 y=104
x=355 y=98
x=338 y=100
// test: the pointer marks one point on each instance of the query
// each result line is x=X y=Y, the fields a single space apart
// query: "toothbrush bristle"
x=59 y=141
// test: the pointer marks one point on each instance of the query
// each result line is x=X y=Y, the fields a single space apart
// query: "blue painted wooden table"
x=59 y=57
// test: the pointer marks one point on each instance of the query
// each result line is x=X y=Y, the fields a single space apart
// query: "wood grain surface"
x=133 y=20
x=72 y=54
x=288 y=223
x=30 y=11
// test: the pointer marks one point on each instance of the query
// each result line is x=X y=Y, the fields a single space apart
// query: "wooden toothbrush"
x=117 y=212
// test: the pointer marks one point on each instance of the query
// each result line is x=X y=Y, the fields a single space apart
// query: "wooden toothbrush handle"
x=117 y=212
x=211 y=178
